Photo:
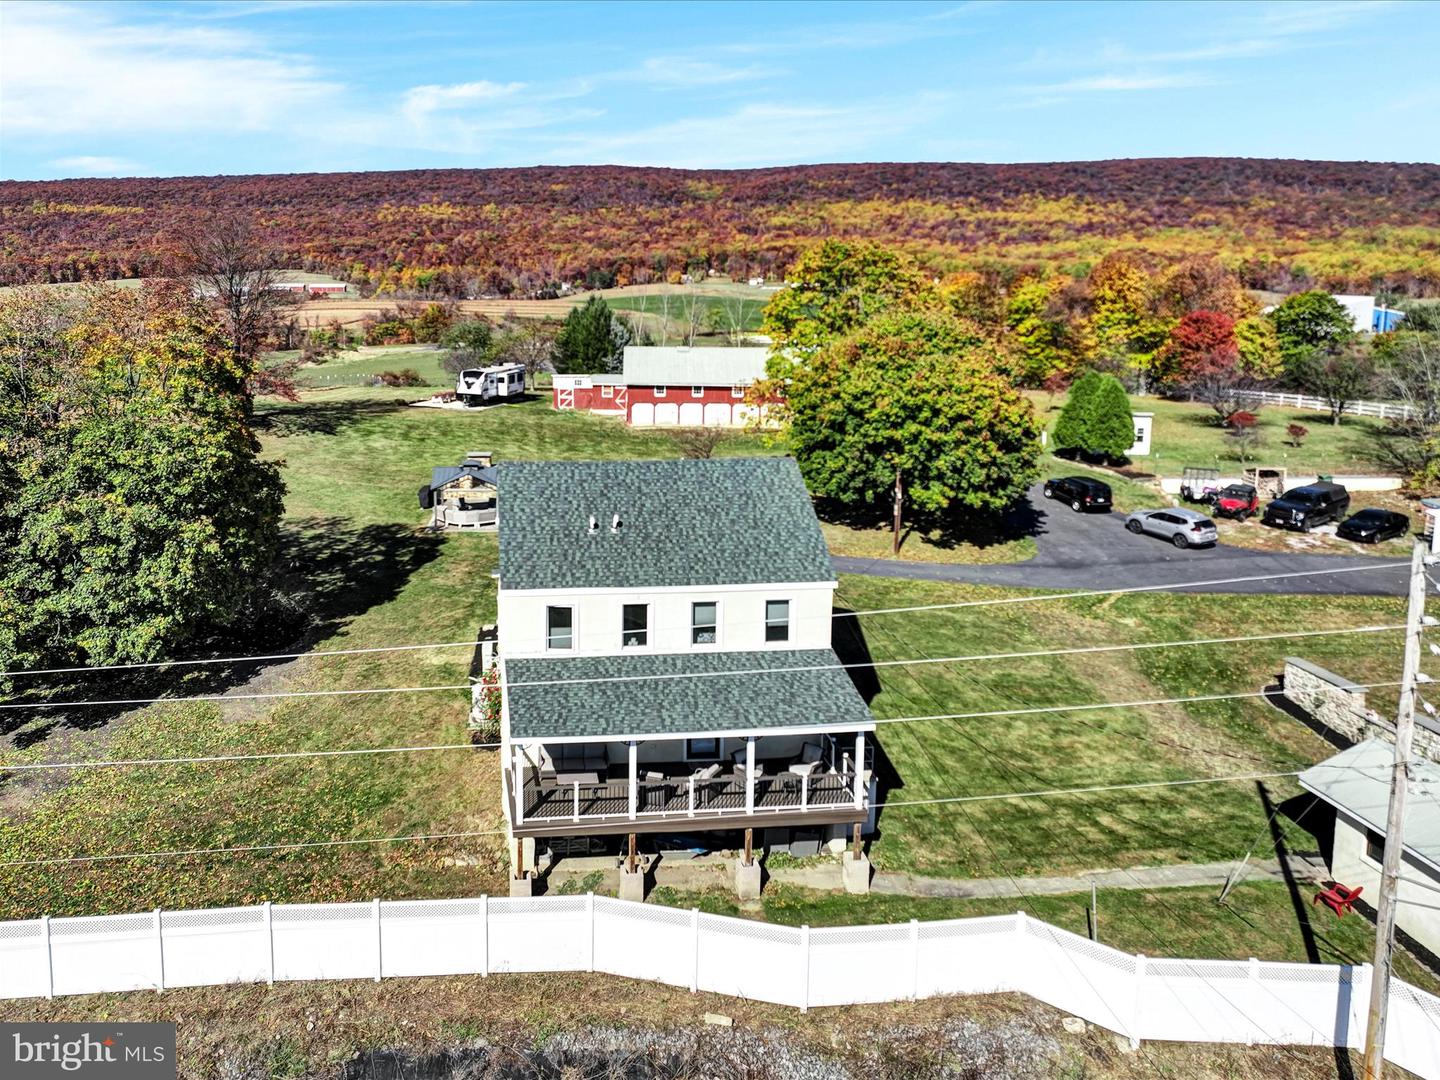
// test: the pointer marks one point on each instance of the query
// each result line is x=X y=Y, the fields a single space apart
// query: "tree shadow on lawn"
x=944 y=531
x=326 y=573
x=320 y=417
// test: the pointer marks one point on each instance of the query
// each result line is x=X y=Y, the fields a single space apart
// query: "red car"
x=1237 y=501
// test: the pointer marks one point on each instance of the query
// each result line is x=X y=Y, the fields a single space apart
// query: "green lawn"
x=359 y=366
x=1186 y=434
x=358 y=565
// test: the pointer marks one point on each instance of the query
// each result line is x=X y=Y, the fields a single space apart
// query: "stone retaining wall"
x=1340 y=705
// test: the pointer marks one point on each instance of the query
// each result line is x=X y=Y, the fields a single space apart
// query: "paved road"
x=1094 y=551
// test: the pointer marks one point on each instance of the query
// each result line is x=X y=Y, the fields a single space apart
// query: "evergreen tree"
x=1070 y=429
x=1096 y=420
x=591 y=340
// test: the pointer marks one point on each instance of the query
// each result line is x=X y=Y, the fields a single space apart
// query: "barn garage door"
x=717 y=414
x=742 y=414
x=692 y=414
x=667 y=414
x=643 y=414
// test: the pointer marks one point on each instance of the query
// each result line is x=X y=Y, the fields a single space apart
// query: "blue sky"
x=97 y=89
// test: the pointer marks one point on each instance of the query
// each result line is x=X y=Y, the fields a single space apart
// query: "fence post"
x=269 y=944
x=49 y=956
x=159 y=953
x=805 y=967
x=590 y=923
x=485 y=936
x=695 y=933
x=914 y=959
x=379 y=944
x=1134 y=1031
x=1255 y=979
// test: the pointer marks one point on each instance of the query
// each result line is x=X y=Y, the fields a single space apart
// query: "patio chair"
x=703 y=780
x=811 y=758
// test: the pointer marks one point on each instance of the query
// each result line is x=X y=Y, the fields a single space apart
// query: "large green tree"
x=137 y=514
x=838 y=286
x=910 y=410
x=1096 y=420
x=1309 y=323
x=591 y=339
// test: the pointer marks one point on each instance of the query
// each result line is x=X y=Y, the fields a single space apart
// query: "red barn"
x=669 y=386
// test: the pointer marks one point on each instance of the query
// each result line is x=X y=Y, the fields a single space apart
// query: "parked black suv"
x=1081 y=492
x=1303 y=508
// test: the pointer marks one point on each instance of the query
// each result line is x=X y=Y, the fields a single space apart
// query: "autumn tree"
x=1037 y=331
x=1122 y=330
x=1410 y=374
x=909 y=410
x=530 y=342
x=467 y=344
x=137 y=515
x=837 y=287
x=591 y=339
x=1341 y=376
x=1200 y=343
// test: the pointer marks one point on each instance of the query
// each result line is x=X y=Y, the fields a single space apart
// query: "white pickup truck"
x=480 y=386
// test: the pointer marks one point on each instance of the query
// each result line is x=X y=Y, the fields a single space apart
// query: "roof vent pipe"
x=594 y=526
x=615 y=524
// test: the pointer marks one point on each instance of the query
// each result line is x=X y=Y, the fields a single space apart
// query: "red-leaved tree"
x=1202 y=356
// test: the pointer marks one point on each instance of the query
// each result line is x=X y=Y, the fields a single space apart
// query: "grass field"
x=1186 y=434
x=359 y=366
x=356 y=561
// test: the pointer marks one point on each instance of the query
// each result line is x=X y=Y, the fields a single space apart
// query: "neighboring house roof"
x=1357 y=781
x=722 y=521
x=713 y=697
x=708 y=365
x=443 y=474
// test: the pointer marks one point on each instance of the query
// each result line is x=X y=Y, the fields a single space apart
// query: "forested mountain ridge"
x=1280 y=224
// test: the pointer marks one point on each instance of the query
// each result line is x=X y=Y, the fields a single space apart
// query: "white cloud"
x=680 y=71
x=422 y=102
x=97 y=165
x=764 y=134
x=70 y=70
x=1106 y=84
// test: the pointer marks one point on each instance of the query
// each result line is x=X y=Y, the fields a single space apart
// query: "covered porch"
x=635 y=785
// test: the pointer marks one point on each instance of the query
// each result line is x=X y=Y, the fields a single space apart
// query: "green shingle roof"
x=715 y=701
x=727 y=521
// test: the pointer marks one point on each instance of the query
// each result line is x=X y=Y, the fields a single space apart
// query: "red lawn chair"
x=1338 y=898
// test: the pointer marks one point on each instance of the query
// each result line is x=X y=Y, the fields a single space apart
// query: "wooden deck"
x=676 y=804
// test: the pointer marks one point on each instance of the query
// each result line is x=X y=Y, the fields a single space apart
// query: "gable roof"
x=1357 y=781
x=441 y=475
x=723 y=521
x=705 y=365
x=774 y=692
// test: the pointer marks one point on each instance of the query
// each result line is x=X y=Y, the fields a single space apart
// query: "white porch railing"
x=1142 y=998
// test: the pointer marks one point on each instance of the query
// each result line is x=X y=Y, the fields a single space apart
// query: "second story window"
x=703 y=623
x=697 y=391
x=660 y=391
x=607 y=391
x=777 y=620
x=559 y=628
x=635 y=626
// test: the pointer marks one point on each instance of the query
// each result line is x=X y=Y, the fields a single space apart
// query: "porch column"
x=517 y=774
x=859 y=769
x=750 y=774
x=634 y=776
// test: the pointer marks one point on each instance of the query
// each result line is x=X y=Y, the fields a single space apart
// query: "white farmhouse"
x=665 y=653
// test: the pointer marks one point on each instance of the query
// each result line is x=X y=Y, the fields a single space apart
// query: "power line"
x=1175 y=587
x=253 y=848
x=671 y=676
x=471 y=746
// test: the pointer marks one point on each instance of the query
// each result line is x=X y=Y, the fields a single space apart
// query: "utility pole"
x=1394 y=823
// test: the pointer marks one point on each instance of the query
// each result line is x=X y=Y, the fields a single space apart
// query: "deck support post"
x=630 y=854
x=518 y=782
x=855 y=840
x=519 y=859
x=750 y=774
x=634 y=748
x=749 y=847
x=859 y=769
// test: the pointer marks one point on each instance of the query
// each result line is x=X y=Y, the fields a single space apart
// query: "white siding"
x=1419 y=911
x=597 y=618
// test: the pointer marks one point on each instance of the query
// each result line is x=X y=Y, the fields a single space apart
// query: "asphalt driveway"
x=1095 y=551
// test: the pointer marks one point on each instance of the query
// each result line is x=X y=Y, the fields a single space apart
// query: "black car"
x=1304 y=508
x=1374 y=525
x=1081 y=492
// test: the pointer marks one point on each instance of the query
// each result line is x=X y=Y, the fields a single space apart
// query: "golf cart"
x=1237 y=501
x=1199 y=484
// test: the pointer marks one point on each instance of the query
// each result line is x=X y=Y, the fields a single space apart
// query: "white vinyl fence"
x=1383 y=409
x=1138 y=997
